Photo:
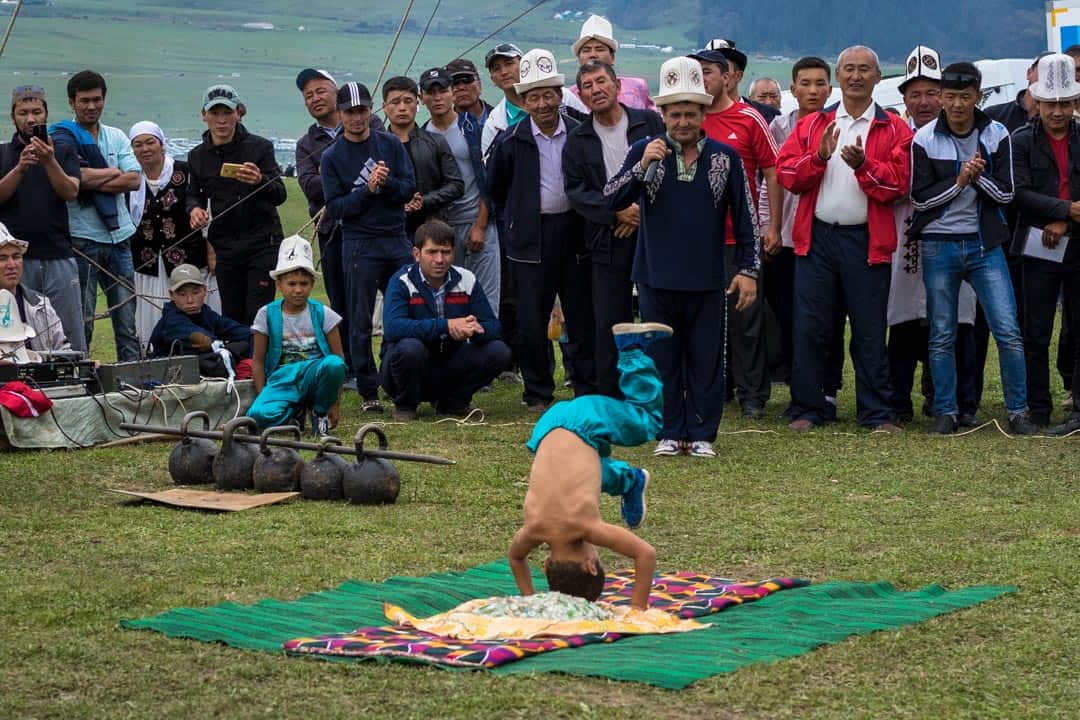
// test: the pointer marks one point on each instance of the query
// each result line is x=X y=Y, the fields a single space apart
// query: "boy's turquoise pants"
x=310 y=384
x=602 y=421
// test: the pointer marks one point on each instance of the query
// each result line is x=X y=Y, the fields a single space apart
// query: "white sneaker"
x=702 y=448
x=667 y=448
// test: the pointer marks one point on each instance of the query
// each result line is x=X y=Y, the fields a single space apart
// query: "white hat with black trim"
x=294 y=254
x=1057 y=79
x=922 y=62
x=596 y=28
x=539 y=70
x=681 y=81
x=6 y=238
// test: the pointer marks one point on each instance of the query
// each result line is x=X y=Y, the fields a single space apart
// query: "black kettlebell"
x=191 y=461
x=321 y=478
x=277 y=469
x=370 y=480
x=235 y=460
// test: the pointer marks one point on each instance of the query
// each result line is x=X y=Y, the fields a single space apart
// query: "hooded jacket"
x=935 y=165
x=884 y=176
x=251 y=223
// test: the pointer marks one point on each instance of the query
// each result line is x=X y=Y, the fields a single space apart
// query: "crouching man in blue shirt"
x=440 y=337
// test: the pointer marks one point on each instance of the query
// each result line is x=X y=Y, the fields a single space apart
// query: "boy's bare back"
x=563 y=500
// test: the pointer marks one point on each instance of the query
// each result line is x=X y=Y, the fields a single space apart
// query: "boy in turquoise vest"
x=298 y=363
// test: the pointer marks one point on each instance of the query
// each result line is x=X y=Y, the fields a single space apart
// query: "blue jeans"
x=483 y=263
x=601 y=421
x=948 y=260
x=116 y=259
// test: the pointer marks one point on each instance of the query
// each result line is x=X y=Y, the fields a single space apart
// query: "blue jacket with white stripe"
x=409 y=307
x=935 y=167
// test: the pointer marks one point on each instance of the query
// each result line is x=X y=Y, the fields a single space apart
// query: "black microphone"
x=654 y=166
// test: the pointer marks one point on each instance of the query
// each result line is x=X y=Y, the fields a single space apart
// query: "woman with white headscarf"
x=163 y=236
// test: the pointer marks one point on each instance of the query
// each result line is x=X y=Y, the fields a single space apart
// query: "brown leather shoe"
x=801 y=425
x=888 y=427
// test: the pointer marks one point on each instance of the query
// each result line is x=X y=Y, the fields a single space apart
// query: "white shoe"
x=667 y=448
x=702 y=448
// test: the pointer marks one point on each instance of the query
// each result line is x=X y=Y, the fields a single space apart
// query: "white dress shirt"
x=840 y=199
x=553 y=198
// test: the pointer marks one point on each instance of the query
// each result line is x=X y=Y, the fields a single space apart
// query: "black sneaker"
x=1022 y=425
x=1069 y=426
x=968 y=420
x=371 y=406
x=753 y=411
x=943 y=425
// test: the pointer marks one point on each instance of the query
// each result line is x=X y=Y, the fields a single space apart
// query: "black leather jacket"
x=1035 y=174
x=438 y=178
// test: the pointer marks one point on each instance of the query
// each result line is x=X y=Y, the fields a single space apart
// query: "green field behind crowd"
x=159 y=57
x=838 y=504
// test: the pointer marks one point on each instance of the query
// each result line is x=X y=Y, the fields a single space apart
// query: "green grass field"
x=160 y=58
x=840 y=504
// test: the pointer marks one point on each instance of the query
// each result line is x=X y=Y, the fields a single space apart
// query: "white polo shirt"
x=840 y=199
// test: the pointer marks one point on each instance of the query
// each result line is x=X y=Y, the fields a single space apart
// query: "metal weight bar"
x=294 y=444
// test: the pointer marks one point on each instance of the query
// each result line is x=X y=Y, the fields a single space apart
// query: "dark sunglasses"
x=955 y=78
x=504 y=49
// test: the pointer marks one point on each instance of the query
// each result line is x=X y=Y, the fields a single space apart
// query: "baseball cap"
x=221 y=95
x=727 y=47
x=433 y=77
x=185 y=274
x=353 y=94
x=507 y=50
x=711 y=56
x=460 y=68
x=27 y=92
x=308 y=74
x=1040 y=56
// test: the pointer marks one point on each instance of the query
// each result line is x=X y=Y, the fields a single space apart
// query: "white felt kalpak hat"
x=539 y=70
x=294 y=254
x=6 y=238
x=922 y=62
x=681 y=81
x=12 y=328
x=1057 y=79
x=596 y=28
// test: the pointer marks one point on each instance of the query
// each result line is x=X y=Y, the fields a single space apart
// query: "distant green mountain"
x=968 y=29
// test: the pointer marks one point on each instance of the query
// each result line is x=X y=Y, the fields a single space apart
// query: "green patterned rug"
x=781 y=625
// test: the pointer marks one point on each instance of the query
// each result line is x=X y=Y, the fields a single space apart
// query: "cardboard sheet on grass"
x=95 y=419
x=209 y=499
x=783 y=624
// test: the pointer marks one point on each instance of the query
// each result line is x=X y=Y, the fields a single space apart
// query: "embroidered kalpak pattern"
x=719 y=169
x=686 y=595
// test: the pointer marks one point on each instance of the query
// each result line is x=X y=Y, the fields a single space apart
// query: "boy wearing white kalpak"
x=298 y=362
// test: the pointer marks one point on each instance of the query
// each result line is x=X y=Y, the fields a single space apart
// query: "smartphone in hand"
x=230 y=170
x=41 y=132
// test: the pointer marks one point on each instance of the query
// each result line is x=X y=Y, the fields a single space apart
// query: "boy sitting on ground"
x=573 y=465
x=188 y=327
x=298 y=363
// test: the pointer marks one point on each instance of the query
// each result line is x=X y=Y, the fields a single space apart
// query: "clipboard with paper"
x=1033 y=246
